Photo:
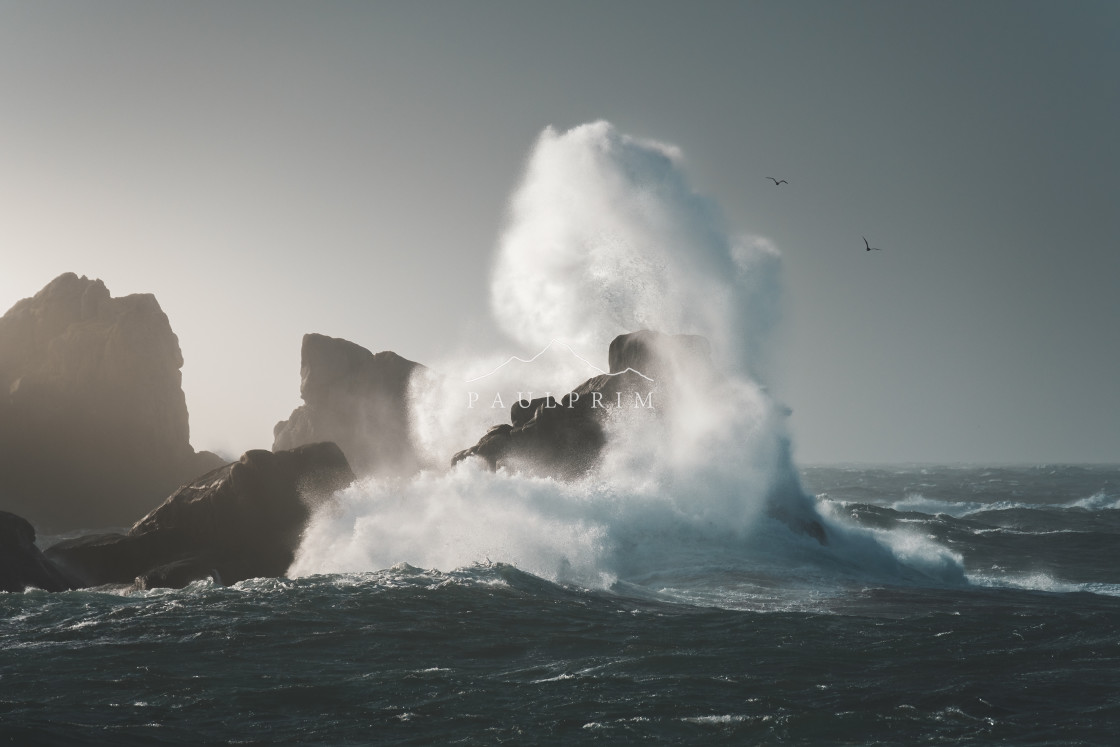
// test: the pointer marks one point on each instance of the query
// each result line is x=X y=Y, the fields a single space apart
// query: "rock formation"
x=564 y=438
x=357 y=399
x=660 y=356
x=243 y=520
x=93 y=420
x=22 y=565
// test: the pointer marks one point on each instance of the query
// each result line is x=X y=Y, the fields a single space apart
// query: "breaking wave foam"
x=1099 y=501
x=606 y=236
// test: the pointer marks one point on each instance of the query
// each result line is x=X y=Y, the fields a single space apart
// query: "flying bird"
x=777 y=182
x=869 y=247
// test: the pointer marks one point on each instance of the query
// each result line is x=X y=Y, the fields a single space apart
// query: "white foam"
x=607 y=236
x=1041 y=581
x=917 y=502
x=453 y=519
x=1098 y=502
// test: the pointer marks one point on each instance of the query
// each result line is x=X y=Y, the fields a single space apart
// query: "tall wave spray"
x=605 y=237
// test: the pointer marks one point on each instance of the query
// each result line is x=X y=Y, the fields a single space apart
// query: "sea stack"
x=93 y=419
x=356 y=399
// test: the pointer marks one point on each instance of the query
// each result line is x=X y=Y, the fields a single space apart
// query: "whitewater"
x=607 y=236
x=711 y=650
x=696 y=586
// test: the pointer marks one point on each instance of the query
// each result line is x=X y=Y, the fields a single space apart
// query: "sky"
x=273 y=168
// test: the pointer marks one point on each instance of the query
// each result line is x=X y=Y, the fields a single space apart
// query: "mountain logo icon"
x=556 y=343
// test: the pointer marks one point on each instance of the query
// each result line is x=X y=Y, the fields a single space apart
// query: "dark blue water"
x=1024 y=650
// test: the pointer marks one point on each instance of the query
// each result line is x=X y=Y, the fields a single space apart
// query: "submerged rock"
x=359 y=400
x=177 y=574
x=243 y=520
x=22 y=564
x=93 y=420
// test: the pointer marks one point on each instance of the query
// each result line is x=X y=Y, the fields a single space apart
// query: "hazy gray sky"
x=272 y=168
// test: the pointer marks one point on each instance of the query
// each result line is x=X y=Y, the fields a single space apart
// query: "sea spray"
x=606 y=236
x=452 y=519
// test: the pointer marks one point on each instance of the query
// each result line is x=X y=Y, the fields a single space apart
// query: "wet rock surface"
x=242 y=520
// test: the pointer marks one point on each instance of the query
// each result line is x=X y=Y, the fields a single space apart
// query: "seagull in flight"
x=777 y=182
x=869 y=247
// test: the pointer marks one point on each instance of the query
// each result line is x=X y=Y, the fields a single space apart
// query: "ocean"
x=993 y=617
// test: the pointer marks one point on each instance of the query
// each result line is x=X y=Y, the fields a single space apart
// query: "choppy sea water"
x=1025 y=649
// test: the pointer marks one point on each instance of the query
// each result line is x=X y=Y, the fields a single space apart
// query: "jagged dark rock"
x=22 y=564
x=357 y=399
x=93 y=420
x=243 y=520
x=658 y=355
x=564 y=438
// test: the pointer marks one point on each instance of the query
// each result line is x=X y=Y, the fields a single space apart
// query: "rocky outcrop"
x=357 y=399
x=22 y=564
x=243 y=520
x=561 y=438
x=649 y=372
x=660 y=356
x=93 y=420
x=564 y=438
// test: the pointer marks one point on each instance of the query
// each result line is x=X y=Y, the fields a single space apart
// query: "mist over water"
x=606 y=236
